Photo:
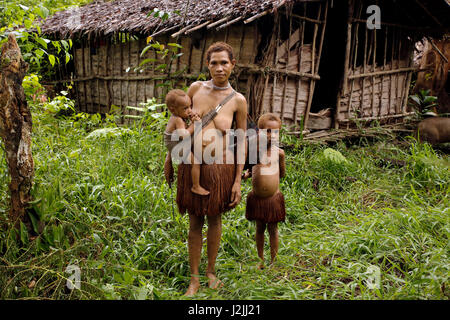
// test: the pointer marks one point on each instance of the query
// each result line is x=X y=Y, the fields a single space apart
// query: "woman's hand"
x=235 y=194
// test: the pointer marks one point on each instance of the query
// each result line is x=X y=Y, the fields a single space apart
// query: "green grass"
x=108 y=210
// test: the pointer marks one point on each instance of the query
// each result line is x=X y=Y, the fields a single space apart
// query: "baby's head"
x=179 y=103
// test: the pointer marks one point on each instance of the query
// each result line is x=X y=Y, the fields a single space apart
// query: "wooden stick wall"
x=378 y=69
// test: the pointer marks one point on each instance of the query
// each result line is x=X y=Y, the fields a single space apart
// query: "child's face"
x=182 y=108
x=272 y=128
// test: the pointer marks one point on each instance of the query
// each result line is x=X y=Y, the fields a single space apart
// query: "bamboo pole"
x=75 y=74
x=398 y=105
x=256 y=16
x=209 y=26
x=355 y=58
x=107 y=91
x=283 y=101
x=197 y=27
x=84 y=74
x=299 y=59
x=129 y=64
x=275 y=61
x=378 y=118
x=137 y=73
x=229 y=23
x=373 y=69
x=361 y=106
x=313 y=82
x=120 y=36
x=390 y=75
x=91 y=71
x=98 y=72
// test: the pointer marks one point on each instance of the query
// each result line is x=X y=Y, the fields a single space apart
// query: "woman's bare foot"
x=199 y=190
x=213 y=282
x=193 y=287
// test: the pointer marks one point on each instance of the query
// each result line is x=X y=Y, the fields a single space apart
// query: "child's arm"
x=194 y=117
x=282 y=164
x=180 y=125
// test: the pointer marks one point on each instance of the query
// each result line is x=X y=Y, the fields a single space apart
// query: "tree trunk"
x=15 y=130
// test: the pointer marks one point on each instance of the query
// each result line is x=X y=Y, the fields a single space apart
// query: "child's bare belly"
x=264 y=185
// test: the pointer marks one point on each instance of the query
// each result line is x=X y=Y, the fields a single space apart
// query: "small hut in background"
x=296 y=58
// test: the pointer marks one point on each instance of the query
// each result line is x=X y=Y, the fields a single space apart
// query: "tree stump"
x=15 y=130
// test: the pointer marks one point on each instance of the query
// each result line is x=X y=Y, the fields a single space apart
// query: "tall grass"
x=108 y=210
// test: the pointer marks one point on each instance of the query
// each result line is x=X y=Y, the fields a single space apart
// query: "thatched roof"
x=131 y=15
x=104 y=18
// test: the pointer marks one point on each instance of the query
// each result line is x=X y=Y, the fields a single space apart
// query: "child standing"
x=265 y=203
x=179 y=104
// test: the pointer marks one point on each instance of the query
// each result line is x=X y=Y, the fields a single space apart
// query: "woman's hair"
x=268 y=117
x=218 y=47
x=173 y=96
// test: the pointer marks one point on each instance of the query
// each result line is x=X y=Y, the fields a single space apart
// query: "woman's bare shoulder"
x=194 y=87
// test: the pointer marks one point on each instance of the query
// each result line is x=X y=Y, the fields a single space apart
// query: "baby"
x=179 y=104
x=265 y=203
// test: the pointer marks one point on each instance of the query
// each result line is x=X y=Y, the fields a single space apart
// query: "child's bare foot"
x=193 y=287
x=199 y=190
x=213 y=282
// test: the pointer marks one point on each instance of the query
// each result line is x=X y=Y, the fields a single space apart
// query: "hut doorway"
x=331 y=67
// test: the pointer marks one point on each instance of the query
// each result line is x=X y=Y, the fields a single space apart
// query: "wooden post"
x=299 y=59
x=312 y=81
x=15 y=130
x=346 y=63
x=91 y=73
x=288 y=51
x=83 y=63
x=277 y=20
x=75 y=74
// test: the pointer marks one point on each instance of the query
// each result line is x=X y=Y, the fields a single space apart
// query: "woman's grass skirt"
x=218 y=179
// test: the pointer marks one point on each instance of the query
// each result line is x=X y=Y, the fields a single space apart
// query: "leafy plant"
x=423 y=102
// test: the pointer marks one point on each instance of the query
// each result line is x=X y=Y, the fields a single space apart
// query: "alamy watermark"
x=374 y=20
x=373 y=280
x=74 y=280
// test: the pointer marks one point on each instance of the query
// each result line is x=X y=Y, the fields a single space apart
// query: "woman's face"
x=220 y=67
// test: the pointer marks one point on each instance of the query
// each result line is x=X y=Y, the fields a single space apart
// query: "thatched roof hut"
x=295 y=57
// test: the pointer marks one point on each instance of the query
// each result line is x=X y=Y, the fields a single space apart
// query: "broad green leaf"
x=145 y=50
x=51 y=59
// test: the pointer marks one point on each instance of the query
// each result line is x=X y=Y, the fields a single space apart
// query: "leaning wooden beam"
x=229 y=23
x=378 y=118
x=209 y=26
x=256 y=16
x=176 y=34
x=197 y=27
x=437 y=49
x=429 y=13
x=16 y=131
x=165 y=30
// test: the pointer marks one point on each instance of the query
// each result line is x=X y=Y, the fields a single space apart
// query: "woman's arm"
x=241 y=123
